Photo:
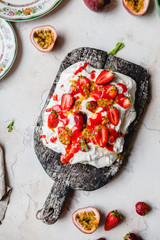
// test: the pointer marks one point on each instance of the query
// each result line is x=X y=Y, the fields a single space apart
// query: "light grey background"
x=22 y=94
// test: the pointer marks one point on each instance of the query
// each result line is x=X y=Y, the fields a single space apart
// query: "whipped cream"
x=96 y=156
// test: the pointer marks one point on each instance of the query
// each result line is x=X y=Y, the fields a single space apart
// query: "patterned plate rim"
x=15 y=51
x=32 y=17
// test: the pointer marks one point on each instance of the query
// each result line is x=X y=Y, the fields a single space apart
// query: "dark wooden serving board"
x=80 y=176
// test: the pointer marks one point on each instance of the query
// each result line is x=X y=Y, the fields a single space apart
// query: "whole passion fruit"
x=86 y=219
x=96 y=5
x=136 y=7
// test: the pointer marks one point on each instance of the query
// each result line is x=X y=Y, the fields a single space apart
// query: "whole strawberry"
x=101 y=239
x=142 y=208
x=113 y=219
x=130 y=236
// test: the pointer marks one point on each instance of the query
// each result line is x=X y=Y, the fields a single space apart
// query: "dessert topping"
x=104 y=77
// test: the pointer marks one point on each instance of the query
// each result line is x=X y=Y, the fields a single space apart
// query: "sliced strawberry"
x=91 y=106
x=110 y=91
x=74 y=88
x=113 y=115
x=83 y=84
x=104 y=77
x=64 y=135
x=73 y=148
x=79 y=119
x=109 y=147
x=113 y=219
x=125 y=102
x=57 y=108
x=64 y=159
x=61 y=130
x=53 y=119
x=113 y=135
x=97 y=92
x=101 y=135
x=124 y=88
x=66 y=102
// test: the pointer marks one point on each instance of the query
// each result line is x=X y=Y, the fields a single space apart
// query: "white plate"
x=24 y=10
x=8 y=47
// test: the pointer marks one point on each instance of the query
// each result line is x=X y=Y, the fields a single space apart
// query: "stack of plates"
x=17 y=10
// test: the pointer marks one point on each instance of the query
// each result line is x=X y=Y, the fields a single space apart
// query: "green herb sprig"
x=118 y=47
x=10 y=126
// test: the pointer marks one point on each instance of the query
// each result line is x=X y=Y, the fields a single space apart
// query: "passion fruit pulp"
x=86 y=219
x=43 y=37
x=136 y=7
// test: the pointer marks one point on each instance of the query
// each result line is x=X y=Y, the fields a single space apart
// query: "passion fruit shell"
x=139 y=13
x=96 y=5
x=86 y=219
x=34 y=41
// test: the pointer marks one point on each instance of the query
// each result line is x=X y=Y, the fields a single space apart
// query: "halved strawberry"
x=125 y=102
x=91 y=106
x=64 y=135
x=64 y=159
x=113 y=115
x=101 y=135
x=53 y=119
x=66 y=102
x=124 y=88
x=104 y=77
x=83 y=84
x=79 y=120
x=97 y=92
x=110 y=91
x=57 y=108
x=113 y=135
x=74 y=88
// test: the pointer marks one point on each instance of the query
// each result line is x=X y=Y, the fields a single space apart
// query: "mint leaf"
x=84 y=146
x=10 y=126
x=118 y=47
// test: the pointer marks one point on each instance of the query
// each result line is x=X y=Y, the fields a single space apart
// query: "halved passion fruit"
x=86 y=219
x=43 y=37
x=136 y=7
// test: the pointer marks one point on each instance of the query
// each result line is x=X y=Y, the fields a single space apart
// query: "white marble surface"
x=22 y=94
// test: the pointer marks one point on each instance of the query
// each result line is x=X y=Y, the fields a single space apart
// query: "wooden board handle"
x=52 y=208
